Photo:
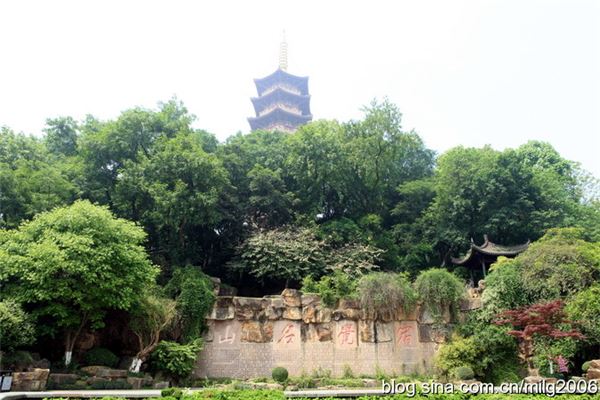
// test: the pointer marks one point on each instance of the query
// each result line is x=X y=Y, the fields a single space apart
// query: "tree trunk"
x=69 y=344
x=136 y=364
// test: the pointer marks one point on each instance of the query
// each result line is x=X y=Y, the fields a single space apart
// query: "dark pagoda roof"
x=280 y=76
x=490 y=249
x=282 y=96
x=278 y=116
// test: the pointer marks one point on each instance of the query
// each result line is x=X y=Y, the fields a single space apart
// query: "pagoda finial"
x=283 y=49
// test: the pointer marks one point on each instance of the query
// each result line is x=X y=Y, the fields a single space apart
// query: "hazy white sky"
x=462 y=72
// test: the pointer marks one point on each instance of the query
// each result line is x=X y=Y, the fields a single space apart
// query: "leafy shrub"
x=495 y=352
x=462 y=273
x=460 y=352
x=331 y=288
x=320 y=372
x=463 y=373
x=171 y=392
x=380 y=374
x=304 y=381
x=348 y=374
x=559 y=265
x=584 y=308
x=193 y=291
x=101 y=356
x=280 y=374
x=15 y=326
x=382 y=294
x=176 y=360
x=503 y=289
x=439 y=290
x=18 y=360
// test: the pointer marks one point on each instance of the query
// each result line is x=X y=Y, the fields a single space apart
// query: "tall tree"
x=62 y=135
x=71 y=265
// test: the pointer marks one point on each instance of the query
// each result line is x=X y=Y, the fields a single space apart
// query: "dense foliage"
x=194 y=295
x=440 y=291
x=175 y=359
x=322 y=208
x=384 y=294
x=70 y=266
x=101 y=356
x=16 y=327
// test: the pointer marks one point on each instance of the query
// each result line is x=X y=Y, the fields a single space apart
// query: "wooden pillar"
x=483 y=266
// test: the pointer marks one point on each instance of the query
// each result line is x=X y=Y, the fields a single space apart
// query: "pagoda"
x=283 y=102
x=486 y=254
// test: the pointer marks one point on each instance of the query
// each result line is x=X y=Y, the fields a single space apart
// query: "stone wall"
x=248 y=337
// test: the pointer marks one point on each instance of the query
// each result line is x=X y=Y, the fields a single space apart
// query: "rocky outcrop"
x=30 y=381
x=257 y=332
x=292 y=298
x=257 y=317
x=317 y=332
x=593 y=371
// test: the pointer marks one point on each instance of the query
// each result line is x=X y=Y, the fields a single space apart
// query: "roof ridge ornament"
x=283 y=53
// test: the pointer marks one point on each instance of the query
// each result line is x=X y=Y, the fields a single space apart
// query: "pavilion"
x=486 y=254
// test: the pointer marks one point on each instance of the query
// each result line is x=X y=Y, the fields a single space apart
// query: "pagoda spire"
x=283 y=54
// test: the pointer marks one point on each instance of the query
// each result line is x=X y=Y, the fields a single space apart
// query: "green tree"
x=559 y=265
x=179 y=193
x=151 y=315
x=512 y=196
x=73 y=264
x=62 y=135
x=29 y=181
x=382 y=156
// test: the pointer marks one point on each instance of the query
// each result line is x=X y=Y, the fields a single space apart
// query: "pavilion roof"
x=278 y=116
x=281 y=95
x=281 y=76
x=489 y=248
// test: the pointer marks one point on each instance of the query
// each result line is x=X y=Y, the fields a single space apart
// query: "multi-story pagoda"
x=283 y=102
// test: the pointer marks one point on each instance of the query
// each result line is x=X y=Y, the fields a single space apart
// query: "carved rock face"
x=223 y=309
x=315 y=314
x=257 y=332
x=247 y=308
x=30 y=381
x=317 y=332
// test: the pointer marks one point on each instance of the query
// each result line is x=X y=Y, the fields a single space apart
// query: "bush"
x=439 y=290
x=503 y=289
x=193 y=291
x=101 y=356
x=584 y=308
x=463 y=373
x=171 y=392
x=383 y=294
x=280 y=374
x=176 y=360
x=559 y=265
x=15 y=326
x=460 y=352
x=348 y=374
x=19 y=360
x=331 y=288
